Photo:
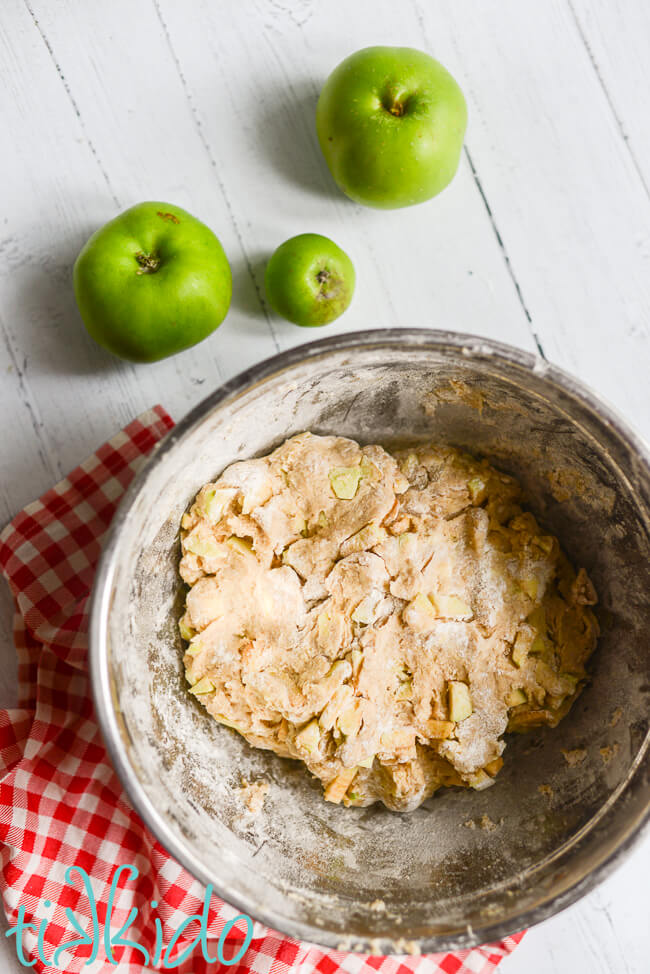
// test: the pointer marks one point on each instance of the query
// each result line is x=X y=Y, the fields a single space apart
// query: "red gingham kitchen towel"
x=62 y=809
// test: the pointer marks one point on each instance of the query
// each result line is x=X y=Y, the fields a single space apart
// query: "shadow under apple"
x=248 y=295
x=48 y=318
x=286 y=121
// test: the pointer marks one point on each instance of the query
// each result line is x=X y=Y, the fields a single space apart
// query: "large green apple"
x=391 y=122
x=152 y=282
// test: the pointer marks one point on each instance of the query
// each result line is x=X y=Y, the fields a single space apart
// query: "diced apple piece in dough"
x=421 y=603
x=340 y=670
x=249 y=503
x=404 y=690
x=185 y=630
x=537 y=619
x=538 y=646
x=493 y=767
x=439 y=730
x=204 y=547
x=450 y=607
x=240 y=545
x=215 y=501
x=229 y=723
x=337 y=788
x=203 y=686
x=420 y=614
x=345 y=481
x=189 y=676
x=356 y=659
x=365 y=611
x=521 y=648
x=524 y=719
x=324 y=624
x=530 y=586
x=349 y=721
x=460 y=701
x=480 y=780
x=187 y=522
x=337 y=702
x=367 y=762
x=309 y=737
x=369 y=536
x=194 y=648
x=516 y=697
x=397 y=738
x=477 y=490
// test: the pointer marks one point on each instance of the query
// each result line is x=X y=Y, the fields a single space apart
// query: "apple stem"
x=394 y=103
x=323 y=277
x=149 y=264
x=328 y=285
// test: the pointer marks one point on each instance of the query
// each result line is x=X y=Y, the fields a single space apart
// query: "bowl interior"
x=465 y=865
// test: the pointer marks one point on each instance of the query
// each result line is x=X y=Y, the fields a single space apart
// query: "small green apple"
x=152 y=282
x=309 y=280
x=390 y=123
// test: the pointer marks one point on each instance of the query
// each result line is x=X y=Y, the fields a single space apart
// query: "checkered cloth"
x=61 y=804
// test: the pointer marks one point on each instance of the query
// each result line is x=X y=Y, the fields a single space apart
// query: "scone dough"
x=384 y=619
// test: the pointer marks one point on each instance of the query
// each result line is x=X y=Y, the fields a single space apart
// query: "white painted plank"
x=567 y=197
x=616 y=35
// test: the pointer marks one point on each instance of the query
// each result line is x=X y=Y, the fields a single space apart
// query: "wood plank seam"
x=29 y=401
x=488 y=208
x=504 y=253
x=608 y=97
x=73 y=102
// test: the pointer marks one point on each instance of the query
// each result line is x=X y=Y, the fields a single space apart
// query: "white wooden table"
x=543 y=239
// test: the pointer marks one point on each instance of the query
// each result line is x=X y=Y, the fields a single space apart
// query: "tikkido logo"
x=102 y=935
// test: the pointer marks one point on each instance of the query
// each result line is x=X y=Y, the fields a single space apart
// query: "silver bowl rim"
x=475 y=347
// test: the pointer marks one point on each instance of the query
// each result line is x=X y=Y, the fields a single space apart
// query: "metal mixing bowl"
x=448 y=876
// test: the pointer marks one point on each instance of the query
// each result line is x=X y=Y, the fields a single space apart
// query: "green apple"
x=391 y=122
x=151 y=282
x=309 y=280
